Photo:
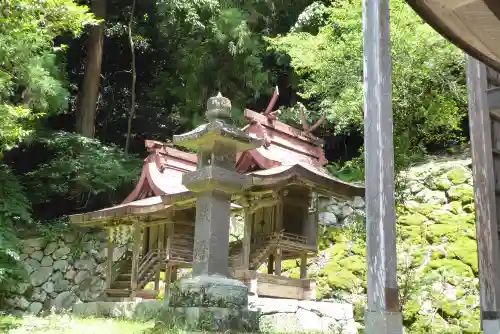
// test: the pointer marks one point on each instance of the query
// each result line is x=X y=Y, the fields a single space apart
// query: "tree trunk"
x=134 y=78
x=89 y=89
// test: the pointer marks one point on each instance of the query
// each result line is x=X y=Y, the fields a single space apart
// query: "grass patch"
x=59 y=324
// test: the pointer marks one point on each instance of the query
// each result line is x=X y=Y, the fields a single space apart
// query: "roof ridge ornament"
x=271 y=115
x=218 y=108
x=305 y=124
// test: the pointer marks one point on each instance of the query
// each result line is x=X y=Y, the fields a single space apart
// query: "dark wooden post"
x=247 y=237
x=384 y=313
x=303 y=266
x=109 y=267
x=168 y=269
x=484 y=196
x=161 y=248
x=136 y=257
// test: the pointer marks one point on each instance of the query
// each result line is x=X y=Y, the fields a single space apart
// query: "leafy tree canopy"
x=429 y=94
x=32 y=82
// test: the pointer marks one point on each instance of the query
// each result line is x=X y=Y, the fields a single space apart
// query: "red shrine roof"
x=287 y=155
x=283 y=145
x=162 y=171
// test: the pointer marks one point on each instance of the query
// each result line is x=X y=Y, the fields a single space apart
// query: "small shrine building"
x=279 y=207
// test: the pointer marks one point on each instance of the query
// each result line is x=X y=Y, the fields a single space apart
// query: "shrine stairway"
x=265 y=245
x=181 y=256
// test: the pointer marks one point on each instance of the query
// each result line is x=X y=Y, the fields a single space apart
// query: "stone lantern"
x=214 y=182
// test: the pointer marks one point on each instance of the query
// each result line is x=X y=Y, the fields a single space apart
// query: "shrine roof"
x=283 y=145
x=262 y=179
x=162 y=171
x=472 y=25
x=288 y=156
x=318 y=179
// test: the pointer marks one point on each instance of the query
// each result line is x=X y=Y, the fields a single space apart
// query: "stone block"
x=210 y=291
x=34 y=264
x=37 y=255
x=211 y=318
x=35 y=307
x=34 y=243
x=40 y=276
x=46 y=261
x=65 y=300
x=60 y=252
x=51 y=247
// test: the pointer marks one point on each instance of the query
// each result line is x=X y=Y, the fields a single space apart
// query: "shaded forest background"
x=84 y=83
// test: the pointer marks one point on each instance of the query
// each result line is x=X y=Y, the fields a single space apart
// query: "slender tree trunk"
x=134 y=78
x=89 y=90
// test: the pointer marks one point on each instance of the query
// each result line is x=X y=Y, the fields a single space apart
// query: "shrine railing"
x=146 y=263
x=118 y=267
x=278 y=236
x=155 y=257
x=176 y=254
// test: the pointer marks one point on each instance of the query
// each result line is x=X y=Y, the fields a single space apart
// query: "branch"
x=134 y=78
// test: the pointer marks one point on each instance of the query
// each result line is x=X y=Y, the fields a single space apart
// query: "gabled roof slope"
x=283 y=145
x=162 y=171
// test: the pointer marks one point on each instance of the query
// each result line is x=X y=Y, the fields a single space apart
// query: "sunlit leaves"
x=428 y=81
x=32 y=82
x=80 y=165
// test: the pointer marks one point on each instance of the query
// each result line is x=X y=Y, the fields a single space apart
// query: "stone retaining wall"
x=63 y=271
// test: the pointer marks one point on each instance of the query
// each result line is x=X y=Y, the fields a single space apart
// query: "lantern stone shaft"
x=215 y=180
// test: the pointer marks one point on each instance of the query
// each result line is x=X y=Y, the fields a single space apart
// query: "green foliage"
x=32 y=82
x=428 y=82
x=216 y=49
x=80 y=167
x=14 y=210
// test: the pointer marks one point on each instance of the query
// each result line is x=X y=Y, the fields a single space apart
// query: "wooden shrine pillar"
x=383 y=314
x=168 y=269
x=136 y=257
x=303 y=266
x=109 y=267
x=278 y=223
x=247 y=237
x=277 y=261
x=161 y=240
x=484 y=196
x=270 y=264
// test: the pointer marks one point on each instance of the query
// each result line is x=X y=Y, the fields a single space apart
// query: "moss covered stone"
x=355 y=264
x=343 y=280
x=462 y=192
x=412 y=219
x=440 y=233
x=452 y=267
x=436 y=233
x=425 y=209
x=427 y=323
x=458 y=175
x=439 y=182
x=455 y=207
x=470 y=208
x=465 y=250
